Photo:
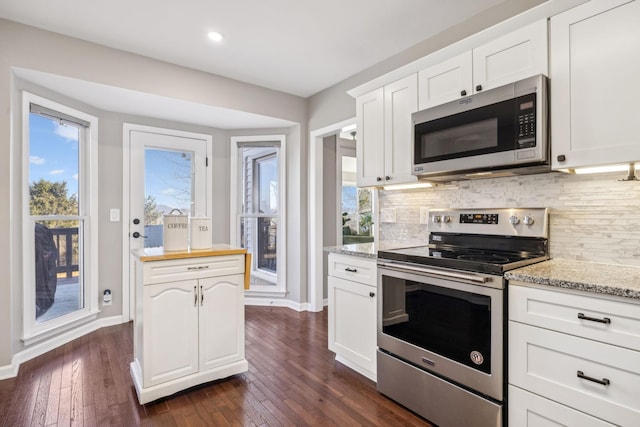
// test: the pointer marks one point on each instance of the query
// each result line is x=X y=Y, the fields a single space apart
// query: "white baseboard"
x=42 y=347
x=276 y=302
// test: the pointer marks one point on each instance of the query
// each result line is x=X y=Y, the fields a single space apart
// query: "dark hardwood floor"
x=293 y=380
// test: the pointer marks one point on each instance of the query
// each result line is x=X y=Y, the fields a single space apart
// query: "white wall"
x=27 y=47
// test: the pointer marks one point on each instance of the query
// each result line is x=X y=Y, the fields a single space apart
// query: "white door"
x=167 y=170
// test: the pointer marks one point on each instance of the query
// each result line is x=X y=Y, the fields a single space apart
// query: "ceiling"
x=294 y=46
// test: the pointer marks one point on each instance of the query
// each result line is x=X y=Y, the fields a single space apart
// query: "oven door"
x=447 y=322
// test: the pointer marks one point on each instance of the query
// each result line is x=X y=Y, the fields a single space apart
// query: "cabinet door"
x=352 y=322
x=400 y=101
x=599 y=379
x=370 y=138
x=170 y=331
x=446 y=81
x=221 y=320
x=594 y=69
x=512 y=57
x=530 y=410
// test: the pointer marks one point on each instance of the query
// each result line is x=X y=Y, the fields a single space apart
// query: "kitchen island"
x=189 y=321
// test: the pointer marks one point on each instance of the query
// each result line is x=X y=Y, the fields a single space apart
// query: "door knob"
x=137 y=235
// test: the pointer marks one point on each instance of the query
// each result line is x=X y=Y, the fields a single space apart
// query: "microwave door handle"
x=444 y=273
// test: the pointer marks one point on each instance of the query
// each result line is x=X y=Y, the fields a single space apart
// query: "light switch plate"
x=114 y=215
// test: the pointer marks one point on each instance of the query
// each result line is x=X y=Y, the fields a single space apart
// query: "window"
x=259 y=211
x=60 y=275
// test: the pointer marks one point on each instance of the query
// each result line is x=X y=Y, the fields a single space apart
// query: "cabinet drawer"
x=549 y=363
x=353 y=268
x=192 y=268
x=530 y=410
x=581 y=315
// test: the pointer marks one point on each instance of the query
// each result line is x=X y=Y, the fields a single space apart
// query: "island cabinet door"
x=221 y=320
x=170 y=331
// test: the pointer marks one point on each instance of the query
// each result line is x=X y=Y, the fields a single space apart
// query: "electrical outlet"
x=388 y=215
x=106 y=297
x=424 y=215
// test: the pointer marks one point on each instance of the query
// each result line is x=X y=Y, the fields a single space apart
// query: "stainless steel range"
x=441 y=317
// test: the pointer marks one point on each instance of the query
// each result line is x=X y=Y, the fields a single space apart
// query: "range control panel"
x=532 y=222
x=478 y=218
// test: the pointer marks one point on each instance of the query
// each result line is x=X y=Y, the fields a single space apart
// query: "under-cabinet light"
x=603 y=169
x=408 y=186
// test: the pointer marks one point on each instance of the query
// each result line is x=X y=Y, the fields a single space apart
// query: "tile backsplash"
x=591 y=217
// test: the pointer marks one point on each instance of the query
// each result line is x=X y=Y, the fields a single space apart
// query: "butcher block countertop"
x=159 y=254
x=606 y=279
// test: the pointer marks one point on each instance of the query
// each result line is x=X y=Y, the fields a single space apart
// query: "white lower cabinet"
x=352 y=312
x=187 y=332
x=565 y=367
x=530 y=410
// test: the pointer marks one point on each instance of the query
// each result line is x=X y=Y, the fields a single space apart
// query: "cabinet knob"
x=463 y=93
x=378 y=179
x=372 y=294
x=561 y=158
x=478 y=88
x=387 y=178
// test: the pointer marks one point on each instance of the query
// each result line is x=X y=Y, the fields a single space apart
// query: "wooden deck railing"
x=67 y=260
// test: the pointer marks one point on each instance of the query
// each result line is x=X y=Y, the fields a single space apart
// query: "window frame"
x=88 y=214
x=236 y=214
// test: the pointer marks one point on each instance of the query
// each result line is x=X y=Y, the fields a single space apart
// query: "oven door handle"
x=437 y=272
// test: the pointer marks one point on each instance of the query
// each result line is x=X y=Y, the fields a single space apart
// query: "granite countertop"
x=607 y=279
x=365 y=250
x=159 y=254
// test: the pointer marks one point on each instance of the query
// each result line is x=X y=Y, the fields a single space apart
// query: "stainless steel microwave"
x=500 y=132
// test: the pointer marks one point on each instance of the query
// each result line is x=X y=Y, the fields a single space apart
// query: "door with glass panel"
x=260 y=220
x=167 y=176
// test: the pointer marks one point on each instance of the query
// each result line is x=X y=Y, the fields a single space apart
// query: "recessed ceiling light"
x=215 y=36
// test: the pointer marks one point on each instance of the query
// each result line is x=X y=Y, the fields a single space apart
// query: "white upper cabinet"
x=512 y=57
x=595 y=62
x=384 y=126
x=446 y=81
x=506 y=59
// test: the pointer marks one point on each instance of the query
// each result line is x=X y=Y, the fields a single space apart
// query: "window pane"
x=260 y=237
x=267 y=173
x=58 y=269
x=53 y=167
x=168 y=181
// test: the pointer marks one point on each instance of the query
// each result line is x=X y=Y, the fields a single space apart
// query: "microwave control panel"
x=526 y=121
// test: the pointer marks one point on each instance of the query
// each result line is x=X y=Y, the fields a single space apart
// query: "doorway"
x=167 y=173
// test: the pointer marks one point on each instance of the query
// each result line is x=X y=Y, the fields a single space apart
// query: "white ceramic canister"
x=200 y=233
x=175 y=231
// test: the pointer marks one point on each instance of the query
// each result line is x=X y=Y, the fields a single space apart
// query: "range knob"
x=528 y=220
x=436 y=218
x=514 y=220
x=446 y=218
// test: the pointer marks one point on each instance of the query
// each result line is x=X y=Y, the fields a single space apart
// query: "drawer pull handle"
x=603 y=381
x=200 y=267
x=604 y=320
x=351 y=270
